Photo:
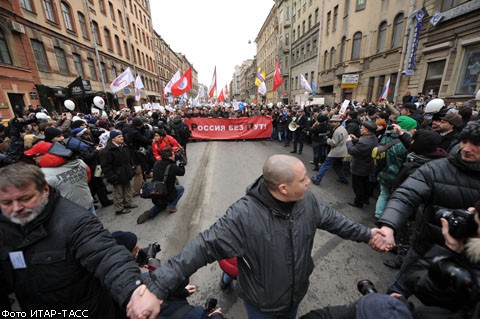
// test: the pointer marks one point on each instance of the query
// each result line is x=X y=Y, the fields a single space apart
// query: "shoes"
x=123 y=211
x=300 y=152
x=314 y=180
x=143 y=217
x=316 y=168
x=355 y=205
x=293 y=152
x=136 y=194
x=131 y=206
x=343 y=181
x=109 y=203
x=223 y=284
x=95 y=206
x=171 y=210
x=395 y=263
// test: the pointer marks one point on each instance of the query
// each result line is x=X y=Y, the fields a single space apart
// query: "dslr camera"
x=180 y=158
x=446 y=272
x=366 y=287
x=461 y=223
x=147 y=253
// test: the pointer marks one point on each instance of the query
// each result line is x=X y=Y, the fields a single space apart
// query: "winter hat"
x=454 y=119
x=381 y=306
x=369 y=125
x=425 y=142
x=78 y=123
x=409 y=106
x=41 y=148
x=336 y=118
x=406 y=122
x=471 y=132
x=136 y=122
x=114 y=134
x=102 y=124
x=125 y=238
x=51 y=133
x=78 y=132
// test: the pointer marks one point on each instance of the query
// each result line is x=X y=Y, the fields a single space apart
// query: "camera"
x=445 y=272
x=182 y=161
x=144 y=254
x=210 y=306
x=389 y=127
x=461 y=223
x=366 y=287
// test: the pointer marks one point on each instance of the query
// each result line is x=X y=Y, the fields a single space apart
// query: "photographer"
x=175 y=192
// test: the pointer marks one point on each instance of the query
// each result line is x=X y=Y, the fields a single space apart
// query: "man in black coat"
x=54 y=254
x=300 y=133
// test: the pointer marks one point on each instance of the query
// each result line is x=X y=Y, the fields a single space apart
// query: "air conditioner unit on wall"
x=17 y=27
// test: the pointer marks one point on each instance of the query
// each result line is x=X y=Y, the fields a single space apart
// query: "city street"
x=216 y=176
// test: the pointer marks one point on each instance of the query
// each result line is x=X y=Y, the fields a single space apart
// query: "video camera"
x=461 y=223
x=144 y=256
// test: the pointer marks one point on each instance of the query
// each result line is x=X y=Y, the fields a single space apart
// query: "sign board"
x=349 y=81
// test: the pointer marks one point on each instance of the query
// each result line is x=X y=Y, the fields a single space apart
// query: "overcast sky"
x=211 y=32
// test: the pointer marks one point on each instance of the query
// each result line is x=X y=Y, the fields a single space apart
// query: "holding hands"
x=382 y=239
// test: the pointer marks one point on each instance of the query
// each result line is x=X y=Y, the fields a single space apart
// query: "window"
x=293 y=35
x=303 y=27
x=26 y=4
x=361 y=5
x=91 y=68
x=114 y=72
x=120 y=18
x=83 y=25
x=356 y=45
x=40 y=56
x=298 y=32
x=117 y=44
x=371 y=82
x=332 y=57
x=67 y=16
x=342 y=49
x=329 y=20
x=382 y=36
x=101 y=4
x=335 y=18
x=49 y=13
x=4 y=52
x=325 y=59
x=469 y=71
x=112 y=11
x=397 y=31
x=103 y=70
x=61 y=61
x=316 y=16
x=125 y=49
x=346 y=9
x=287 y=41
x=77 y=61
x=96 y=33
x=449 y=4
x=108 y=39
x=309 y=22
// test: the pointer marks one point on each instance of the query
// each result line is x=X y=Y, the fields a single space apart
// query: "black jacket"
x=159 y=169
x=272 y=241
x=72 y=262
x=116 y=164
x=361 y=152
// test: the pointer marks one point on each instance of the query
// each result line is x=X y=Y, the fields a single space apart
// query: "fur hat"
x=381 y=306
x=406 y=122
x=471 y=132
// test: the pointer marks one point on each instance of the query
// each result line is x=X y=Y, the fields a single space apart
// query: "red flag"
x=184 y=84
x=213 y=86
x=221 y=97
x=277 y=77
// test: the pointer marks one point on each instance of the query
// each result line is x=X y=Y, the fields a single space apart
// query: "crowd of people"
x=419 y=161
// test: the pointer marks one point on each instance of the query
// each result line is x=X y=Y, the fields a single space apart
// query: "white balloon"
x=99 y=102
x=434 y=106
x=477 y=96
x=41 y=116
x=69 y=105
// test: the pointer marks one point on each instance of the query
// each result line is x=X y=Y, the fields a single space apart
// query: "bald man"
x=270 y=230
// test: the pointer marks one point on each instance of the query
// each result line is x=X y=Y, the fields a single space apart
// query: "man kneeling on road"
x=271 y=231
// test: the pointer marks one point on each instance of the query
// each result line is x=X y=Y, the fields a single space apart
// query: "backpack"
x=379 y=154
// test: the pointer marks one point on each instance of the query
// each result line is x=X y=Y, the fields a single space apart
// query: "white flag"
x=123 y=80
x=304 y=83
x=262 y=89
x=138 y=86
x=201 y=92
x=168 y=87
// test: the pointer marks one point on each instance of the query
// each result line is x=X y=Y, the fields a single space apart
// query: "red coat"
x=167 y=141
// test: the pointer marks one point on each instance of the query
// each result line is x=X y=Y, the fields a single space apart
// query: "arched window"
x=325 y=59
x=108 y=39
x=83 y=25
x=4 y=52
x=67 y=16
x=49 y=11
x=332 y=57
x=96 y=33
x=382 y=36
x=343 y=43
x=356 y=45
x=397 y=31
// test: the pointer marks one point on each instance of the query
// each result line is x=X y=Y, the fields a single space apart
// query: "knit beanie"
x=125 y=238
x=406 y=122
x=114 y=134
x=425 y=142
x=51 y=132
x=78 y=123
x=381 y=306
x=102 y=124
x=471 y=132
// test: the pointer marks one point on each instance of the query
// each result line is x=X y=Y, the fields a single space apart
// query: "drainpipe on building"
x=406 y=48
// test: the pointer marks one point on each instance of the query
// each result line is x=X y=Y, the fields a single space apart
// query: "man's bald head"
x=278 y=169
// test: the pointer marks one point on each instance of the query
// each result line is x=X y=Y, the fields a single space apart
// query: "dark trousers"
x=360 y=186
x=298 y=139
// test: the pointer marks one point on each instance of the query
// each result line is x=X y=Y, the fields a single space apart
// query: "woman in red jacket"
x=162 y=140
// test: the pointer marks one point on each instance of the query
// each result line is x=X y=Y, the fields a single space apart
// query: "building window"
x=112 y=11
x=469 y=71
x=40 y=56
x=67 y=16
x=101 y=4
x=397 y=31
x=335 y=18
x=83 y=25
x=361 y=5
x=342 y=49
x=309 y=22
x=77 y=61
x=96 y=33
x=108 y=39
x=4 y=52
x=103 y=70
x=287 y=39
x=120 y=18
x=26 y=4
x=346 y=9
x=118 y=45
x=325 y=59
x=356 y=45
x=316 y=16
x=125 y=49
x=303 y=27
x=332 y=58
x=329 y=20
x=92 y=69
x=449 y=4
x=61 y=61
x=371 y=82
x=293 y=35
x=49 y=13
x=114 y=72
x=382 y=36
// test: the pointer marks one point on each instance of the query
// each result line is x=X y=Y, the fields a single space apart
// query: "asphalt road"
x=217 y=175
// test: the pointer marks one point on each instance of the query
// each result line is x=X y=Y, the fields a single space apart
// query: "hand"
x=397 y=129
x=191 y=289
x=382 y=239
x=456 y=245
x=143 y=304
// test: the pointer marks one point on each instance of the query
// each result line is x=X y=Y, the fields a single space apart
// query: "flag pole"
x=132 y=61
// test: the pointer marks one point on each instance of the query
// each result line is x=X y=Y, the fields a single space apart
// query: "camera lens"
x=366 y=287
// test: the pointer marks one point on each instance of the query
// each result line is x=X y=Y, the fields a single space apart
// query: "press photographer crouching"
x=165 y=172
x=176 y=305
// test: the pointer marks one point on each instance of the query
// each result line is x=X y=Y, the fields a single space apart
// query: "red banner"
x=230 y=129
